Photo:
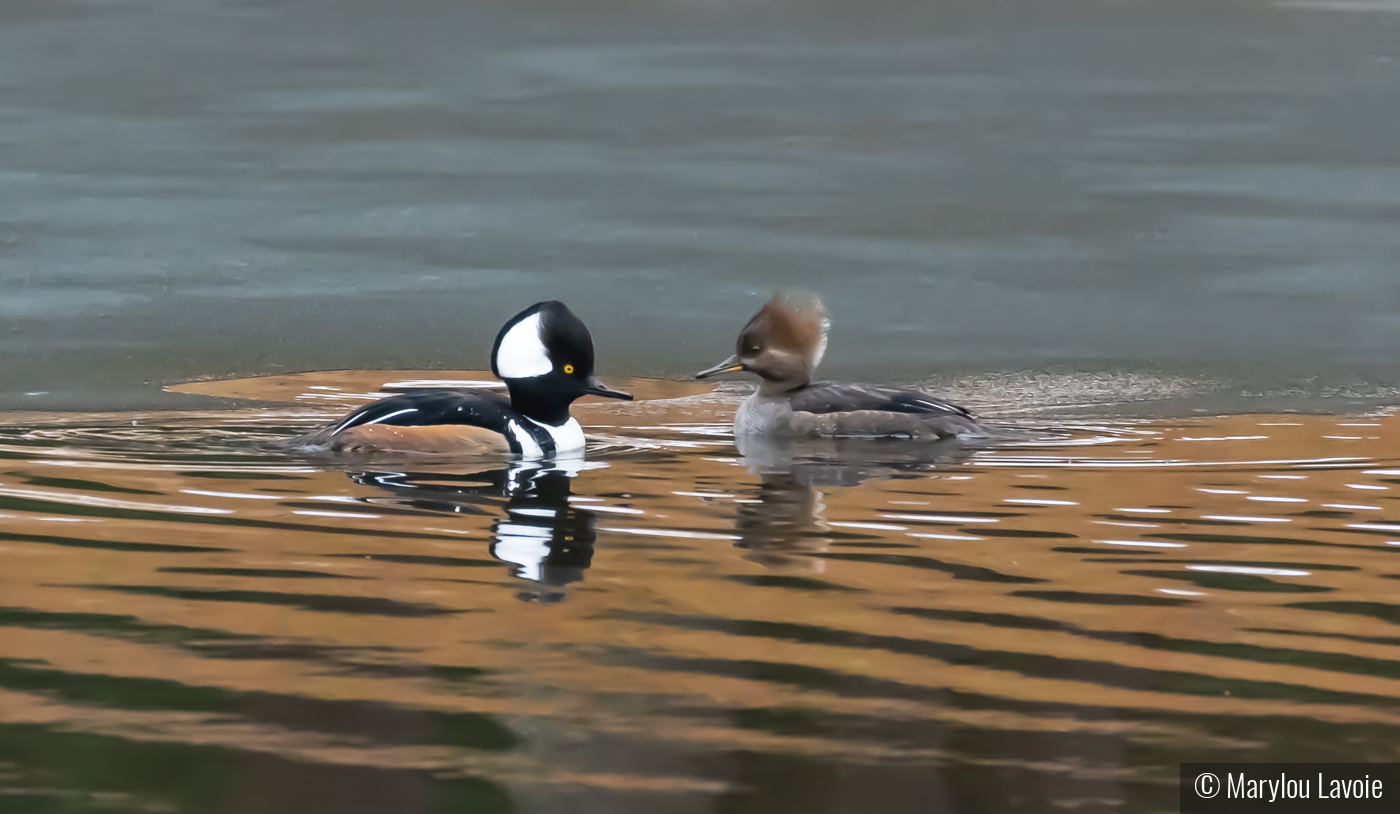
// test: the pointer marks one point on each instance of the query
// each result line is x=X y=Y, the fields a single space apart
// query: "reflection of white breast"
x=525 y=546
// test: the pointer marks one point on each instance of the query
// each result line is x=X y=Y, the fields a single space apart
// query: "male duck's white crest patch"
x=522 y=354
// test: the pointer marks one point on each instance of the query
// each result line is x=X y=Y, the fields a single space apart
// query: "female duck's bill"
x=544 y=354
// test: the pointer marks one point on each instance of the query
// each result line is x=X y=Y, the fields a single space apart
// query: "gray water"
x=1203 y=190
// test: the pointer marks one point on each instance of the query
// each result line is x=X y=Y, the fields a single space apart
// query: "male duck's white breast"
x=568 y=437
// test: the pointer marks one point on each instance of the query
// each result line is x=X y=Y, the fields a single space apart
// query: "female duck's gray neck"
x=769 y=388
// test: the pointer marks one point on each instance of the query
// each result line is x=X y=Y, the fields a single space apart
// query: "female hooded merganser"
x=544 y=354
x=783 y=344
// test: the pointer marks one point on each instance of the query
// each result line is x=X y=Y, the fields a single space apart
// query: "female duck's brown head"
x=782 y=344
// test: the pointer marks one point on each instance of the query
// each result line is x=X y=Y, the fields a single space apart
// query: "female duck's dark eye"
x=569 y=370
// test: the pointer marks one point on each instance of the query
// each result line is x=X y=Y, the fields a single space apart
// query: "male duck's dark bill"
x=597 y=388
x=730 y=365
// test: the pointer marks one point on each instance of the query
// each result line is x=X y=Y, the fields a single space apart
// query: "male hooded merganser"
x=783 y=344
x=544 y=354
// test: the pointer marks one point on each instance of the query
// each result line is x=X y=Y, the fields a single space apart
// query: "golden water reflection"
x=195 y=620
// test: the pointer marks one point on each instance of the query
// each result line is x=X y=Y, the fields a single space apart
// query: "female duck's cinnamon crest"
x=783 y=344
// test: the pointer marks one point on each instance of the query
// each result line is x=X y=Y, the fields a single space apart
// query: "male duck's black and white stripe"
x=480 y=416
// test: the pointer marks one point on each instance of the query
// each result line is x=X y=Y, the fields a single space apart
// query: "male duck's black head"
x=782 y=344
x=544 y=354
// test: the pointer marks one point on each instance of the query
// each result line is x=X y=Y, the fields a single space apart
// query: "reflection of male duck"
x=549 y=540
x=546 y=539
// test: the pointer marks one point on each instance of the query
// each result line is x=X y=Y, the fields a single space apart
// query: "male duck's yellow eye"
x=569 y=369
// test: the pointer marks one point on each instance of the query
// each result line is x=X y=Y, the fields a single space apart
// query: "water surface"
x=195 y=621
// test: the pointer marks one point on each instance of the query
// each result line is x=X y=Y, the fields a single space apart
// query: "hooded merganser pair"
x=783 y=344
x=544 y=354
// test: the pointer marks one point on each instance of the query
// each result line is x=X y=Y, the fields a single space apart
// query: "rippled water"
x=195 y=621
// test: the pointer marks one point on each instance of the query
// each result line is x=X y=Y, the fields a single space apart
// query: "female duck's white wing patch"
x=522 y=354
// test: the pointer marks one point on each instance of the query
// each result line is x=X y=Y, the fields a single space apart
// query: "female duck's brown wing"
x=830 y=409
x=829 y=397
